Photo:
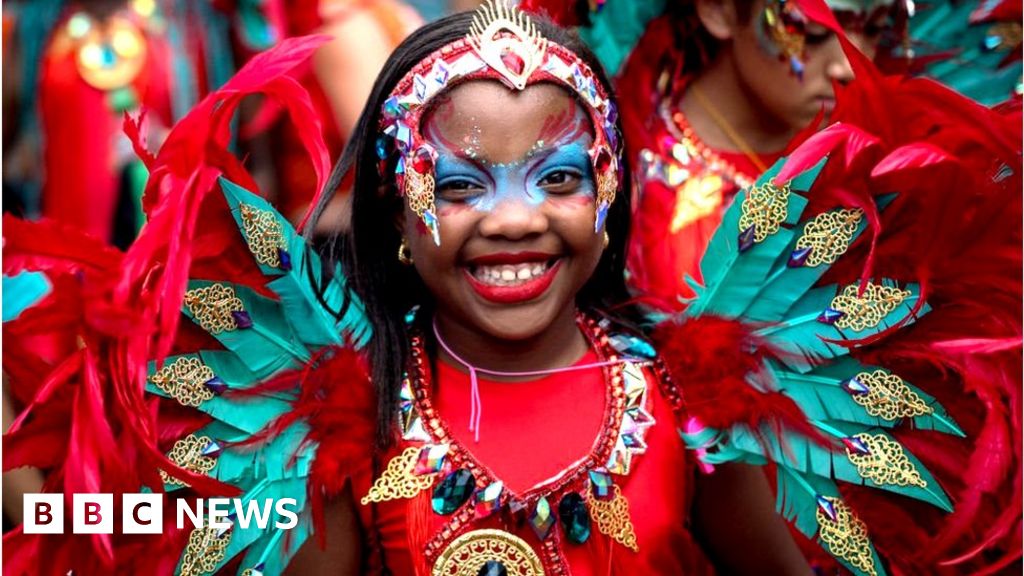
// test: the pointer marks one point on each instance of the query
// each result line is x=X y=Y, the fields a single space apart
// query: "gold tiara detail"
x=507 y=41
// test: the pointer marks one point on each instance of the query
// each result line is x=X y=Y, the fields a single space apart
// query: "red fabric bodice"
x=530 y=432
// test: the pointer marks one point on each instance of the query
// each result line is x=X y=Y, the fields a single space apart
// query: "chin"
x=514 y=323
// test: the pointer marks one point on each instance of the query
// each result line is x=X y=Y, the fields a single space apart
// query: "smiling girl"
x=504 y=231
x=462 y=386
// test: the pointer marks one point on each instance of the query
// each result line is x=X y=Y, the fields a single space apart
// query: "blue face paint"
x=546 y=172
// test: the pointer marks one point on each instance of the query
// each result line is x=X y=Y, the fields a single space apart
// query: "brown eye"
x=458 y=189
x=563 y=181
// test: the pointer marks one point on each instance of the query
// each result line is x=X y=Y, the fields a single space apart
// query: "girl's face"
x=515 y=199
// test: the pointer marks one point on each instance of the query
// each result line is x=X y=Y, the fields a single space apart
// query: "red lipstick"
x=528 y=290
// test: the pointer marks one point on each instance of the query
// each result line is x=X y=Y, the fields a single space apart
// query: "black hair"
x=368 y=250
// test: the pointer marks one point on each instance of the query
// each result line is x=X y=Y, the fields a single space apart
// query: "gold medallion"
x=468 y=553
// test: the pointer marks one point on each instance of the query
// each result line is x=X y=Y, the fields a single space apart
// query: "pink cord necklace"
x=475 y=406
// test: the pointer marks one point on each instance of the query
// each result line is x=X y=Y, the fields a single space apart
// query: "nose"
x=838 y=67
x=514 y=219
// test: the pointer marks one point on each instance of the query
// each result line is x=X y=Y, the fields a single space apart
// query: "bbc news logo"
x=144 y=513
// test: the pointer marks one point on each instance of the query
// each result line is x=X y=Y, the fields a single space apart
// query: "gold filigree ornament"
x=846 y=536
x=205 y=551
x=765 y=208
x=829 y=235
x=212 y=307
x=187 y=453
x=869 y=309
x=468 y=554
x=398 y=480
x=885 y=462
x=612 y=518
x=507 y=41
x=183 y=380
x=264 y=235
x=888 y=397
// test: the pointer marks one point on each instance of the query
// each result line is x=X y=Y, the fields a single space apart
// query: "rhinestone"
x=453 y=491
x=855 y=387
x=488 y=500
x=827 y=507
x=285 y=259
x=829 y=316
x=216 y=385
x=431 y=221
x=746 y=239
x=212 y=449
x=391 y=108
x=601 y=484
x=419 y=87
x=492 y=568
x=431 y=459
x=542 y=519
x=602 y=213
x=242 y=319
x=854 y=444
x=572 y=511
x=799 y=257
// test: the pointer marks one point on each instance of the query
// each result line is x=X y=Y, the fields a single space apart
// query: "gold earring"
x=606 y=239
x=404 y=256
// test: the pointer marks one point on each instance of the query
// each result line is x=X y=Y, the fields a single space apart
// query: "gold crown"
x=507 y=40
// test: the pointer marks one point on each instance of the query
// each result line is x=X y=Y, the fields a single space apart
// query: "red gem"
x=603 y=161
x=423 y=162
x=513 y=61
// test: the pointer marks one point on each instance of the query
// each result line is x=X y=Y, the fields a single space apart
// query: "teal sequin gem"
x=453 y=491
x=575 y=517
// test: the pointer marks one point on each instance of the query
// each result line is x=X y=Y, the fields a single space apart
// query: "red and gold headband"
x=502 y=44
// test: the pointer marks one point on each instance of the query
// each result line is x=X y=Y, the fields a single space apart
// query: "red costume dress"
x=541 y=438
x=683 y=187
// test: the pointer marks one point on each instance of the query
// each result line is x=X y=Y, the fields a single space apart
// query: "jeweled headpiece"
x=502 y=44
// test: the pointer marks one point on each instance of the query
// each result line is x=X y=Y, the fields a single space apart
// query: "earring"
x=606 y=239
x=404 y=256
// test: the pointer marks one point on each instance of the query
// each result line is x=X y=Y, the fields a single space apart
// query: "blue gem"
x=382 y=147
x=285 y=258
x=441 y=76
x=242 y=319
x=404 y=137
x=431 y=221
x=991 y=42
x=601 y=484
x=829 y=316
x=613 y=112
x=400 y=165
x=797 y=67
x=575 y=517
x=855 y=387
x=602 y=213
x=492 y=568
x=419 y=88
x=391 y=108
x=212 y=448
x=746 y=238
x=854 y=444
x=216 y=385
x=827 y=507
x=542 y=519
x=632 y=346
x=799 y=257
x=453 y=491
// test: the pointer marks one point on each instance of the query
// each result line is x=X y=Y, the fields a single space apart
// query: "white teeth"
x=509 y=274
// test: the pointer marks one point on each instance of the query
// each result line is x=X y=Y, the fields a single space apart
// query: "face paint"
x=555 y=167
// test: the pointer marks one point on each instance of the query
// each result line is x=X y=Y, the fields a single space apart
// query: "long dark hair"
x=367 y=252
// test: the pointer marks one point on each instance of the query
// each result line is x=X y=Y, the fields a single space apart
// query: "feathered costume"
x=855 y=290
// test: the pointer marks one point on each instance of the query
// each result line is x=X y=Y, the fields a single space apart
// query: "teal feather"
x=805 y=456
x=296 y=291
x=797 y=502
x=807 y=338
x=821 y=397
